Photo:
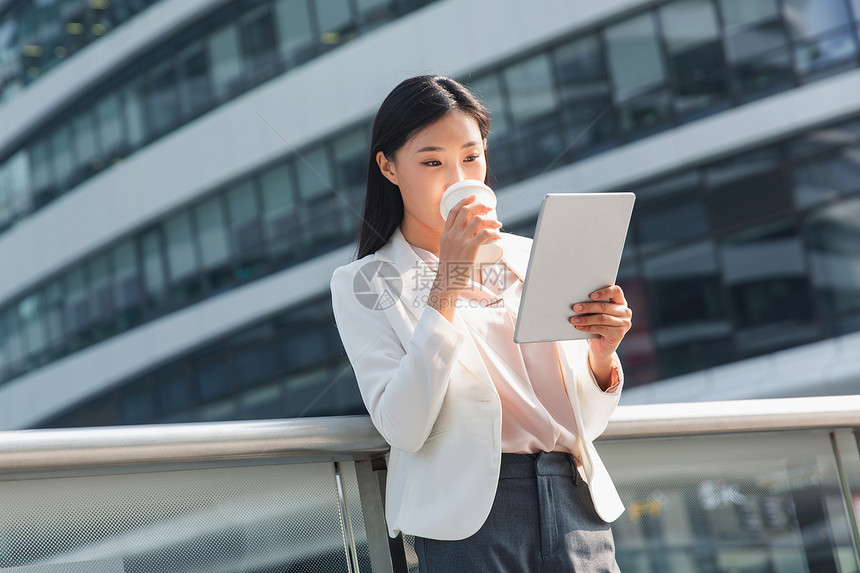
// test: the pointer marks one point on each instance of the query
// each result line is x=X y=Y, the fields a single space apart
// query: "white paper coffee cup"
x=488 y=253
x=462 y=189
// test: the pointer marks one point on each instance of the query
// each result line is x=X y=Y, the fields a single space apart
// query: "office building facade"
x=178 y=181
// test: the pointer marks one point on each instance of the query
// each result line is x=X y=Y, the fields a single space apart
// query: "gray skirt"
x=542 y=519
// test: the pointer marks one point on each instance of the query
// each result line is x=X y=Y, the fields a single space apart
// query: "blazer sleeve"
x=402 y=388
x=596 y=405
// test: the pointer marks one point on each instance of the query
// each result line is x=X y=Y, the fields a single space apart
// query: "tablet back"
x=576 y=250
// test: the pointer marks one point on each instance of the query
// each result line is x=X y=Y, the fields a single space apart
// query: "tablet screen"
x=576 y=250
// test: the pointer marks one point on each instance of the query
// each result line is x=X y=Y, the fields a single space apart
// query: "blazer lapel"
x=416 y=279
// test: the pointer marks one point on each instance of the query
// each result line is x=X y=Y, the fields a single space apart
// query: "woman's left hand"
x=611 y=320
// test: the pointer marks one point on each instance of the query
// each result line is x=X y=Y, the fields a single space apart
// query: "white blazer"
x=431 y=397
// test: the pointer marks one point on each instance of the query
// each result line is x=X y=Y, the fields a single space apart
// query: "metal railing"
x=242 y=496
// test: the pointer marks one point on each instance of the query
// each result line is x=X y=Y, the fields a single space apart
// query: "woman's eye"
x=472 y=157
x=433 y=163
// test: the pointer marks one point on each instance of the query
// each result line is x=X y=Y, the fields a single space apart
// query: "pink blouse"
x=536 y=411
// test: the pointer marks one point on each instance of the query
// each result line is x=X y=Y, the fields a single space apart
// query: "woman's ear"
x=387 y=167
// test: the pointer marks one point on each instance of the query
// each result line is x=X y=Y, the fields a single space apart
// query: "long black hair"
x=411 y=106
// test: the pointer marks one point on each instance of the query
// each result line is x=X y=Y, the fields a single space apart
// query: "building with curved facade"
x=179 y=178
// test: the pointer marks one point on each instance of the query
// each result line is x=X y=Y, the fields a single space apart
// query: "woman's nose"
x=456 y=175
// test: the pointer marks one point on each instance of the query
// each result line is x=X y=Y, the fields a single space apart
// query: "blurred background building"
x=178 y=179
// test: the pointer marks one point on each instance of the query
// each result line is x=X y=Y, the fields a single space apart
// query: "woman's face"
x=446 y=151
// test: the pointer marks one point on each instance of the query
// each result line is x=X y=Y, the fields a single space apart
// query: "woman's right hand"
x=466 y=229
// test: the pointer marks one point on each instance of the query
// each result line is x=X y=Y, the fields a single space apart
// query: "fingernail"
x=596 y=295
x=577 y=307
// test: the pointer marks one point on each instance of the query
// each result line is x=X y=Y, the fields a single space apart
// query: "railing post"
x=387 y=555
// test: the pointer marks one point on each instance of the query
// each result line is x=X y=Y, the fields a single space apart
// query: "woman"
x=491 y=465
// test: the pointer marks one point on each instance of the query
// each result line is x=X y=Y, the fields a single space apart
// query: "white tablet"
x=576 y=250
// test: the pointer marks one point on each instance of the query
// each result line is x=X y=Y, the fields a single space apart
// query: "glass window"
x=825 y=178
x=808 y=19
x=109 y=124
x=261 y=403
x=42 y=169
x=756 y=45
x=533 y=104
x=670 y=212
x=136 y=406
x=744 y=13
x=134 y=102
x=489 y=92
x=296 y=38
x=314 y=174
x=15 y=349
x=336 y=22
x=687 y=313
x=350 y=166
x=314 y=179
x=126 y=289
x=688 y=23
x=85 y=141
x=747 y=189
x=16 y=192
x=7 y=207
x=77 y=303
x=343 y=397
x=350 y=159
x=193 y=80
x=212 y=233
x=639 y=76
x=821 y=31
x=530 y=88
x=9 y=58
x=254 y=362
x=163 y=100
x=259 y=46
x=832 y=237
x=695 y=56
x=217 y=411
x=373 y=13
x=61 y=152
x=589 y=122
x=211 y=373
x=766 y=276
x=501 y=154
x=244 y=218
x=181 y=258
x=302 y=390
x=54 y=313
x=833 y=137
x=4 y=347
x=225 y=60
x=763 y=74
x=26 y=25
x=645 y=114
x=172 y=388
x=634 y=56
x=303 y=344
x=154 y=280
x=18 y=184
x=31 y=321
x=101 y=299
x=19 y=181
x=279 y=211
